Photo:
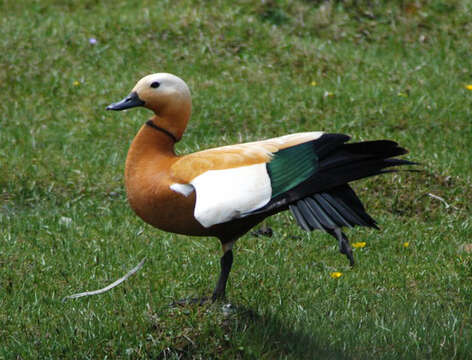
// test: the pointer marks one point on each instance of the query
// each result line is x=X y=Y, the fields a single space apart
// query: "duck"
x=224 y=192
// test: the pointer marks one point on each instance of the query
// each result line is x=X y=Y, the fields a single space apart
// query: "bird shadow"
x=236 y=331
x=268 y=334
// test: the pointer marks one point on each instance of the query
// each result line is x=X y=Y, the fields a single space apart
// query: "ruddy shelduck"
x=224 y=192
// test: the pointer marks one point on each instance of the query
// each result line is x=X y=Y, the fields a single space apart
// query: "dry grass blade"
x=442 y=200
x=109 y=287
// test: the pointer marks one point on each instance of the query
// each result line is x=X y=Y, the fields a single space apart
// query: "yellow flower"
x=359 y=244
x=313 y=83
x=76 y=83
x=468 y=87
x=336 y=274
x=406 y=244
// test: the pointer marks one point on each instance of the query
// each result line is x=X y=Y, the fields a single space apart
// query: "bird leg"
x=226 y=263
x=344 y=247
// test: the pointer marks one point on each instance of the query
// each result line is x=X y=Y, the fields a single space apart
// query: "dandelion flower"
x=359 y=244
x=406 y=244
x=336 y=274
x=76 y=83
x=313 y=83
x=468 y=87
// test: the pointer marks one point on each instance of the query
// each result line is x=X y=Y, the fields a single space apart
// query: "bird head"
x=166 y=95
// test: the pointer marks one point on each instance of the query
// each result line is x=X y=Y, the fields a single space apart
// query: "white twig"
x=109 y=287
x=442 y=200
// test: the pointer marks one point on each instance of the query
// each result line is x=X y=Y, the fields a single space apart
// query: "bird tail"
x=325 y=200
x=342 y=163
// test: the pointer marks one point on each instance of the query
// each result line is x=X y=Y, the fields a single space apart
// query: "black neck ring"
x=158 y=128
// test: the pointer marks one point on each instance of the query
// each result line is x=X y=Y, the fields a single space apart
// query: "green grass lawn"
x=257 y=69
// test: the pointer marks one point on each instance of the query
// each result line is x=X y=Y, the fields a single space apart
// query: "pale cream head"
x=162 y=92
x=169 y=97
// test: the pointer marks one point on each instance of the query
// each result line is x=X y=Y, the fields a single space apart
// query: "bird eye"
x=155 y=84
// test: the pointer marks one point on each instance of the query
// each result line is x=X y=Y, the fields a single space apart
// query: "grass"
x=393 y=70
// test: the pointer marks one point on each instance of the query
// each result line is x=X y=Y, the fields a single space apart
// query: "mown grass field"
x=395 y=70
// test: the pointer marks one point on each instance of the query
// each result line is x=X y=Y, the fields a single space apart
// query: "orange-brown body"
x=152 y=167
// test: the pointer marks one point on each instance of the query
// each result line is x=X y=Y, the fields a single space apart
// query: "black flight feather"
x=331 y=211
x=335 y=163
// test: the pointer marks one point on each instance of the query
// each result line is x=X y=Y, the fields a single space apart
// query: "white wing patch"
x=223 y=195
x=184 y=189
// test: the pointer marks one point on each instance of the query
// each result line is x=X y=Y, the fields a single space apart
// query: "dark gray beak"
x=132 y=100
